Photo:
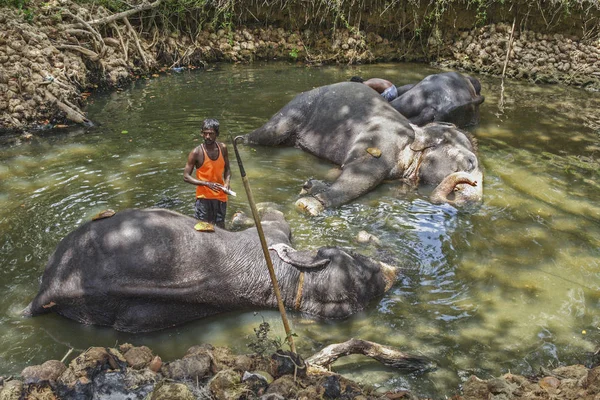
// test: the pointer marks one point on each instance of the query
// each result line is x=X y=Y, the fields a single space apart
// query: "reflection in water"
x=512 y=286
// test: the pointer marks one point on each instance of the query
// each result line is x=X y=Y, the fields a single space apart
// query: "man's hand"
x=215 y=187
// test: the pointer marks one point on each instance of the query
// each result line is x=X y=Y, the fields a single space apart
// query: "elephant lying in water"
x=145 y=270
x=446 y=97
x=352 y=126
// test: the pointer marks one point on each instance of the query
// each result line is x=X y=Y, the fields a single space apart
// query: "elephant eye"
x=471 y=165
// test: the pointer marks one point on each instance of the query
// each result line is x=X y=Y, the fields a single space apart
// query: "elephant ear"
x=299 y=259
x=423 y=139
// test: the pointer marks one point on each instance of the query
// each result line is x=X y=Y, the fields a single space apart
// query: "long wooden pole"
x=263 y=243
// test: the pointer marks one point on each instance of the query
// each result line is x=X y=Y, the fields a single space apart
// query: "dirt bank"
x=206 y=372
x=54 y=54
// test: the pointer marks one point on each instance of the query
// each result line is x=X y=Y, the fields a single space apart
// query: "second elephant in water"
x=446 y=97
x=352 y=126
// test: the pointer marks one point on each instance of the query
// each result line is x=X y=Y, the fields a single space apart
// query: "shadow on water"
x=513 y=286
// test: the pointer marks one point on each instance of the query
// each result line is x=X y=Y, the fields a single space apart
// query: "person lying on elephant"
x=212 y=175
x=385 y=88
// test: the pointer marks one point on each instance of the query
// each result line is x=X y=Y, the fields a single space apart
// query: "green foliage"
x=22 y=5
x=294 y=53
x=262 y=343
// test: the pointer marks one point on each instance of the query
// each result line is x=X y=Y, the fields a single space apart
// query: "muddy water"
x=512 y=286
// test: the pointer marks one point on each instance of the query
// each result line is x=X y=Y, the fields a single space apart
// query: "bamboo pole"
x=265 y=248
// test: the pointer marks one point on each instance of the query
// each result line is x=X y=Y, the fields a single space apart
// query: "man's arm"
x=227 y=171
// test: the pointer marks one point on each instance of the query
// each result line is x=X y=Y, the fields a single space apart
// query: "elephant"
x=351 y=125
x=142 y=270
x=446 y=97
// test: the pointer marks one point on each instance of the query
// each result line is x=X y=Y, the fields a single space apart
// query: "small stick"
x=66 y=355
x=510 y=42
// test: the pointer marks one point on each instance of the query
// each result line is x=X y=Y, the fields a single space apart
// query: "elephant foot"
x=310 y=205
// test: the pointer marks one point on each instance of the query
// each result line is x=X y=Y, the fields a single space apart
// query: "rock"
x=11 y=390
x=592 y=381
x=171 y=391
x=576 y=372
x=366 y=237
x=139 y=357
x=47 y=372
x=284 y=386
x=192 y=367
x=549 y=382
x=225 y=385
x=242 y=363
x=288 y=363
x=475 y=389
x=332 y=387
x=155 y=364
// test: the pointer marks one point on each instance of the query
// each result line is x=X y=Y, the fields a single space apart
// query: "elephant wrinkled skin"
x=352 y=126
x=145 y=270
x=446 y=97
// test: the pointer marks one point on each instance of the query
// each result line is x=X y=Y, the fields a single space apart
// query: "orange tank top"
x=211 y=171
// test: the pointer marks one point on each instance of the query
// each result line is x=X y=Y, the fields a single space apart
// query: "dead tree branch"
x=125 y=14
x=384 y=354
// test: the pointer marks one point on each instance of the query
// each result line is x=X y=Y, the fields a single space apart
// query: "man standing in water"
x=212 y=175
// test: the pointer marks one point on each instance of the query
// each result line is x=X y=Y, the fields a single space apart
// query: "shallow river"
x=513 y=286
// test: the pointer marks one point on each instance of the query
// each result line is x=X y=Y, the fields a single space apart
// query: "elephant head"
x=336 y=283
x=449 y=162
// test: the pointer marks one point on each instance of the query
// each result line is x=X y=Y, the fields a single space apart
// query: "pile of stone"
x=205 y=372
x=49 y=61
x=548 y=58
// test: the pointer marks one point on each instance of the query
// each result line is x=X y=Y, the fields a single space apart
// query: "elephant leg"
x=426 y=116
x=357 y=178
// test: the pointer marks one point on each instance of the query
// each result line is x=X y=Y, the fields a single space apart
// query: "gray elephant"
x=145 y=270
x=352 y=126
x=446 y=97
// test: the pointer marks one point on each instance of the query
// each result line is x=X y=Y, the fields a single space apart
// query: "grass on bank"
x=388 y=17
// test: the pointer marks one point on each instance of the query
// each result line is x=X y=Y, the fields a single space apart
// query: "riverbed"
x=512 y=286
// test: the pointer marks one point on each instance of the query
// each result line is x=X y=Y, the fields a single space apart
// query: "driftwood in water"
x=384 y=354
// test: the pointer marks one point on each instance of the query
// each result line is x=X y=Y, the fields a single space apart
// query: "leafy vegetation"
x=263 y=343
x=413 y=19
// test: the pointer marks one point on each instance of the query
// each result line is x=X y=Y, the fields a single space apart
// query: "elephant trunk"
x=459 y=189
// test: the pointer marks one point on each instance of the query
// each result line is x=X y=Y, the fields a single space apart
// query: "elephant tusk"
x=441 y=192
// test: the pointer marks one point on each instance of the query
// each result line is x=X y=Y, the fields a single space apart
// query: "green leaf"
x=124 y=132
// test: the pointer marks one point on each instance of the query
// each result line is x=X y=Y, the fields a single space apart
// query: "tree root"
x=71 y=113
x=138 y=46
x=384 y=354
x=92 y=55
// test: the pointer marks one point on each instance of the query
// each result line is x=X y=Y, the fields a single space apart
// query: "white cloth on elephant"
x=390 y=93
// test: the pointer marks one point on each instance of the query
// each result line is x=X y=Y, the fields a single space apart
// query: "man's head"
x=210 y=130
x=357 y=79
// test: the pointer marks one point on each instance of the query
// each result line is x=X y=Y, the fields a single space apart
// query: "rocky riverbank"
x=206 y=372
x=54 y=55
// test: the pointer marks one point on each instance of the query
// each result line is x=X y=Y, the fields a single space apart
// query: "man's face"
x=209 y=135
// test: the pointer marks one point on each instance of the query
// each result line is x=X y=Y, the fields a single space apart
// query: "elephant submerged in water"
x=446 y=97
x=352 y=126
x=145 y=270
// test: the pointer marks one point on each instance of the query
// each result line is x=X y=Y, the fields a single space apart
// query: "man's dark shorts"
x=211 y=210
